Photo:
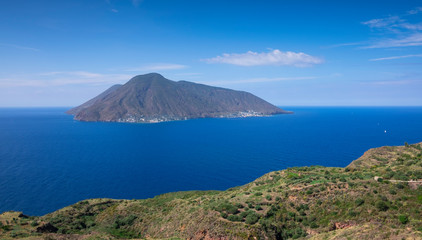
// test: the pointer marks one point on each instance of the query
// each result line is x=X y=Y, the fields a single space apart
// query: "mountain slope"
x=152 y=98
x=91 y=102
x=378 y=196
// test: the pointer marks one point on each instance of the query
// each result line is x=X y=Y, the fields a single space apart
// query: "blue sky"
x=312 y=53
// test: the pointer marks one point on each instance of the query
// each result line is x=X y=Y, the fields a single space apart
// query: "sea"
x=49 y=161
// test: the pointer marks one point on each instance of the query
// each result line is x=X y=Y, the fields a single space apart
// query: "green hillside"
x=377 y=196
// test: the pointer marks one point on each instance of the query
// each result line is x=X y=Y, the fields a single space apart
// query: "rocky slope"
x=378 y=196
x=152 y=98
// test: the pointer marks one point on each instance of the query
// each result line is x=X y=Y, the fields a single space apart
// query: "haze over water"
x=49 y=161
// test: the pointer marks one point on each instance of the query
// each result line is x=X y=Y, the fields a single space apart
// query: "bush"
x=359 y=202
x=228 y=207
x=252 y=218
x=234 y=218
x=268 y=197
x=353 y=213
x=314 y=225
x=393 y=192
x=258 y=207
x=223 y=215
x=239 y=205
x=382 y=206
x=403 y=219
x=124 y=221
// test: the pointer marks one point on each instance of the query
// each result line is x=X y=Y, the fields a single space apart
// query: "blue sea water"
x=48 y=160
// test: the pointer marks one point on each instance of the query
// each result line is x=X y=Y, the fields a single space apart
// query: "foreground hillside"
x=378 y=196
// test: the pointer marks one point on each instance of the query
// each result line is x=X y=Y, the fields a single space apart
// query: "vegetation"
x=383 y=188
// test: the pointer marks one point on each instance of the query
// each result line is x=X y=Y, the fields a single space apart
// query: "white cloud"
x=20 y=47
x=415 y=11
x=136 y=3
x=396 y=57
x=408 y=41
x=398 y=82
x=398 y=31
x=191 y=74
x=64 y=79
x=274 y=57
x=383 y=22
x=79 y=74
x=258 y=80
x=158 y=67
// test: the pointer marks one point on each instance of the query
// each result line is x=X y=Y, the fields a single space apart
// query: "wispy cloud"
x=19 y=47
x=343 y=45
x=411 y=40
x=397 y=30
x=136 y=3
x=63 y=79
x=398 y=82
x=415 y=11
x=258 y=80
x=388 y=22
x=157 y=67
x=274 y=57
x=188 y=74
x=396 y=57
x=80 y=74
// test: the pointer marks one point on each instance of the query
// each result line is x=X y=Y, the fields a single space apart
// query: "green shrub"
x=403 y=219
x=314 y=225
x=227 y=207
x=359 y=202
x=258 y=207
x=291 y=214
x=352 y=213
x=251 y=218
x=268 y=197
x=234 y=218
x=381 y=205
x=119 y=222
